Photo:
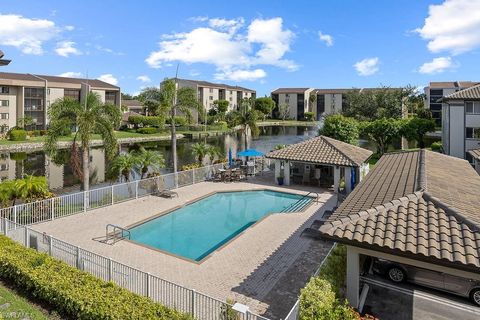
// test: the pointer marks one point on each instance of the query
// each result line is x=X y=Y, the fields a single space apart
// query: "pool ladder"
x=301 y=203
x=116 y=233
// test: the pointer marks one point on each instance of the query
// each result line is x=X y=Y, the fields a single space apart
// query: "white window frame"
x=4 y=116
x=475 y=107
x=475 y=133
x=4 y=105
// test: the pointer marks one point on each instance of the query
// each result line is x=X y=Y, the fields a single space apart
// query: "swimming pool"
x=196 y=230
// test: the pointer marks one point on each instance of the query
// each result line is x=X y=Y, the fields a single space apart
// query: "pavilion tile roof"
x=471 y=93
x=323 y=150
x=417 y=203
x=475 y=153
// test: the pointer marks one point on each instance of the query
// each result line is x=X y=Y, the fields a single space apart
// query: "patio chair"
x=162 y=191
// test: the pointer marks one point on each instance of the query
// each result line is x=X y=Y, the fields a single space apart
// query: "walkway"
x=264 y=267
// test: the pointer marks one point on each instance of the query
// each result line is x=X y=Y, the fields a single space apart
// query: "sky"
x=261 y=45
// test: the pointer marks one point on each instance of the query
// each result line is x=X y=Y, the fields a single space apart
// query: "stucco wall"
x=12 y=99
x=457 y=131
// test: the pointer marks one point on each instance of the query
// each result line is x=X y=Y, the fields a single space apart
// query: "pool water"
x=197 y=229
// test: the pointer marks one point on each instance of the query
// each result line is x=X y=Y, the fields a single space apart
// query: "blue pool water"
x=196 y=230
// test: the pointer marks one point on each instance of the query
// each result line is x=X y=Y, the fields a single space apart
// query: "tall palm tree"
x=88 y=117
x=124 y=164
x=148 y=159
x=174 y=100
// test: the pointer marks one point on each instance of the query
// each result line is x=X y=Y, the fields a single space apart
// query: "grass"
x=16 y=306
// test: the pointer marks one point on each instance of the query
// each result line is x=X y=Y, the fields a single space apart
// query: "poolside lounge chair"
x=311 y=233
x=162 y=191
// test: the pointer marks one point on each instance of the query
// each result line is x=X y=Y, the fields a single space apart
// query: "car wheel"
x=396 y=274
x=475 y=296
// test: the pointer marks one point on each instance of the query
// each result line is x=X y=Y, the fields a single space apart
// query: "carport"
x=322 y=162
x=418 y=208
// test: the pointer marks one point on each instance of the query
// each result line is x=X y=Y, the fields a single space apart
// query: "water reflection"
x=61 y=178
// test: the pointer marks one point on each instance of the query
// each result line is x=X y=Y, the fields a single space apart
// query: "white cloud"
x=437 y=65
x=69 y=28
x=453 y=26
x=241 y=75
x=367 y=67
x=230 y=46
x=144 y=78
x=71 y=74
x=108 y=78
x=66 y=48
x=28 y=35
x=328 y=39
x=108 y=50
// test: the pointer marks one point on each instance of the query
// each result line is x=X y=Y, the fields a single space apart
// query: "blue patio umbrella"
x=250 y=153
x=230 y=159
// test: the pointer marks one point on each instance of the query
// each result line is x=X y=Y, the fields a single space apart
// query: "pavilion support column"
x=336 y=178
x=353 y=276
x=348 y=179
x=278 y=169
x=286 y=173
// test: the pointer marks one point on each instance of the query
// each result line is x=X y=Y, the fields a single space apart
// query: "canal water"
x=61 y=177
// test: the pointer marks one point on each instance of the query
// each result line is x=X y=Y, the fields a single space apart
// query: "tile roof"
x=290 y=90
x=472 y=93
x=202 y=83
x=475 y=153
x=30 y=77
x=131 y=103
x=323 y=150
x=417 y=202
x=452 y=84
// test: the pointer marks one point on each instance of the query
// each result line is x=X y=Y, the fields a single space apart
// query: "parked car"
x=398 y=272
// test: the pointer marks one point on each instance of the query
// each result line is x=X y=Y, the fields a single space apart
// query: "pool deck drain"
x=264 y=267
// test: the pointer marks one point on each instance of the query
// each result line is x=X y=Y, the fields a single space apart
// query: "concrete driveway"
x=386 y=300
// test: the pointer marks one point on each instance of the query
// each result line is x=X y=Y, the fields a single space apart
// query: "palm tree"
x=247 y=120
x=89 y=117
x=149 y=159
x=200 y=150
x=32 y=188
x=173 y=100
x=124 y=165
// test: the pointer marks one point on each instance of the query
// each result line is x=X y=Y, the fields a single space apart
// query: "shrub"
x=437 y=146
x=18 y=135
x=190 y=166
x=147 y=130
x=73 y=292
x=146 y=121
x=43 y=132
x=179 y=121
x=309 y=116
x=335 y=268
x=318 y=301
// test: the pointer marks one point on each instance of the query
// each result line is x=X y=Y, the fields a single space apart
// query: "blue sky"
x=257 y=44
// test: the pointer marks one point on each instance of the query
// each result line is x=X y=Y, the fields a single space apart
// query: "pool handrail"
x=114 y=233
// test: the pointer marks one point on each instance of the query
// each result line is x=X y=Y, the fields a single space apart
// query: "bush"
x=18 y=135
x=437 y=146
x=309 y=116
x=147 y=130
x=73 y=292
x=179 y=121
x=146 y=121
x=191 y=166
x=341 y=128
x=318 y=301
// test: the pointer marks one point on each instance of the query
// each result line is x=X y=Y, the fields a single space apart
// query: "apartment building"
x=461 y=122
x=133 y=105
x=23 y=94
x=321 y=102
x=208 y=92
x=436 y=90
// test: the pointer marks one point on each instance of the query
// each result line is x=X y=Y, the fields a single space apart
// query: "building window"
x=4 y=103
x=4 y=90
x=4 y=128
x=230 y=99
x=72 y=93
x=110 y=97
x=211 y=98
x=3 y=167
x=472 y=133
x=3 y=116
x=472 y=107
x=48 y=91
x=211 y=90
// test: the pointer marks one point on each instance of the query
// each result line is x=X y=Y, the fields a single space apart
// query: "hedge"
x=309 y=116
x=18 y=135
x=153 y=121
x=73 y=292
x=147 y=130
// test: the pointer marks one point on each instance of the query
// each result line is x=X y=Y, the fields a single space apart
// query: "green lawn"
x=13 y=306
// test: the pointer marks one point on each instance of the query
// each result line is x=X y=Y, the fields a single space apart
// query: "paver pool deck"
x=253 y=269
